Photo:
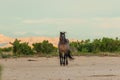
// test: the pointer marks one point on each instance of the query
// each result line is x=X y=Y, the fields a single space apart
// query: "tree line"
x=97 y=45
x=38 y=48
x=22 y=48
x=44 y=48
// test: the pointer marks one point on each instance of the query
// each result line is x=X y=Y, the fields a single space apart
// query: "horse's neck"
x=66 y=41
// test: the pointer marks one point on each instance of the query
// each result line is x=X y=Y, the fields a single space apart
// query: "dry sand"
x=82 y=68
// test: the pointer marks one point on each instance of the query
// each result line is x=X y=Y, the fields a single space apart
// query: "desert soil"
x=82 y=68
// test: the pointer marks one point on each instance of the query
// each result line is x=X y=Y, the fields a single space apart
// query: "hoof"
x=60 y=64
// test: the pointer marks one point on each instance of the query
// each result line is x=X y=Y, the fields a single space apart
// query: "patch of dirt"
x=103 y=75
x=81 y=68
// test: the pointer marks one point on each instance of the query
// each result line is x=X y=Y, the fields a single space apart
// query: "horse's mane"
x=66 y=41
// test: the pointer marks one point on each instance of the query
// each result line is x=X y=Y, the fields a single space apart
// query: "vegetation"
x=97 y=46
x=44 y=48
x=25 y=49
x=16 y=45
x=7 y=49
x=21 y=48
x=5 y=52
x=104 y=46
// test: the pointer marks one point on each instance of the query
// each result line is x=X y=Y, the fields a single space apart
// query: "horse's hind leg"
x=66 y=61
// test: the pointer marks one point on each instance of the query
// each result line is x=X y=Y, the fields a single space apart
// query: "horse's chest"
x=63 y=48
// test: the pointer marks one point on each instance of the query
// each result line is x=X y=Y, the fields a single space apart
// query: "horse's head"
x=62 y=37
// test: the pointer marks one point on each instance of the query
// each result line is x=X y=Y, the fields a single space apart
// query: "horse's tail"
x=69 y=55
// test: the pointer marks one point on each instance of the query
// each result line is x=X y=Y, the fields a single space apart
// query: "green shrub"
x=21 y=48
x=4 y=55
x=44 y=47
x=16 y=45
x=25 y=49
x=97 y=45
x=7 y=49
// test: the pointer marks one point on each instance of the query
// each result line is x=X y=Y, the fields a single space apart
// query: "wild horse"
x=64 y=49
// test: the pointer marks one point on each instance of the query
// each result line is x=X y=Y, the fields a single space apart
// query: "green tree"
x=16 y=45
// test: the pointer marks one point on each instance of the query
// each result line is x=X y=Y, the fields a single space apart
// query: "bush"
x=21 y=48
x=37 y=47
x=8 y=49
x=3 y=55
x=25 y=49
x=44 y=47
x=97 y=45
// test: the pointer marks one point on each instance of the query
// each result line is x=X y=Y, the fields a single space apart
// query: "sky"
x=81 y=19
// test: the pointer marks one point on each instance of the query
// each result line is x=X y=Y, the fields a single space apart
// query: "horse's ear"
x=65 y=32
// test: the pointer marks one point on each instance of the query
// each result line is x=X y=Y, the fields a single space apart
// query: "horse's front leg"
x=61 y=58
x=66 y=59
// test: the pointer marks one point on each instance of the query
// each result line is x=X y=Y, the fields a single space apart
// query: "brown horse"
x=64 y=49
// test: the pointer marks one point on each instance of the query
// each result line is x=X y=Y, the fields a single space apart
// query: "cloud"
x=58 y=21
x=18 y=18
x=20 y=33
x=107 y=22
x=102 y=22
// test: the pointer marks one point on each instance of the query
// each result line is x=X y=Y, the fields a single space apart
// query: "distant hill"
x=4 y=40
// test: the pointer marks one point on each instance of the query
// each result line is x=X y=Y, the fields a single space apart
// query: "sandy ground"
x=82 y=68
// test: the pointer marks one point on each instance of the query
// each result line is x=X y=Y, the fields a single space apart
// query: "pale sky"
x=81 y=19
